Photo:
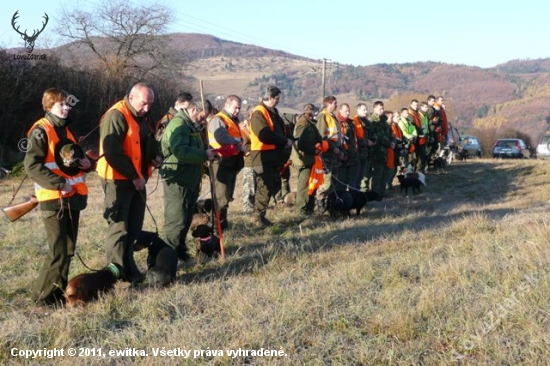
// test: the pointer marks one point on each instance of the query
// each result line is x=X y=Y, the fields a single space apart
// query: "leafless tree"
x=127 y=39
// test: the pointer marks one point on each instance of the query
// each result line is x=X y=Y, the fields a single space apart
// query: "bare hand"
x=212 y=155
x=67 y=188
x=139 y=183
x=84 y=163
x=157 y=162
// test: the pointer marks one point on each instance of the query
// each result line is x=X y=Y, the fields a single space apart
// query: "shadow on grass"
x=471 y=182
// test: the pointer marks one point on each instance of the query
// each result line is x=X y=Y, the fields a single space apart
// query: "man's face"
x=233 y=108
x=273 y=101
x=362 y=111
x=405 y=114
x=181 y=105
x=141 y=100
x=424 y=108
x=390 y=118
x=414 y=106
x=431 y=102
x=379 y=110
x=344 y=111
x=332 y=106
x=193 y=113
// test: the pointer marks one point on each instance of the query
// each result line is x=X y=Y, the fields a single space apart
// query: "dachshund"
x=87 y=286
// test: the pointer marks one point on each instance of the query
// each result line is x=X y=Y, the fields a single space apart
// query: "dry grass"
x=437 y=278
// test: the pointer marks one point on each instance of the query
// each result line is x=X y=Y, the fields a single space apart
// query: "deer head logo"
x=29 y=40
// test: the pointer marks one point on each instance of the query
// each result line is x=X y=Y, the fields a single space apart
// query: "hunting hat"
x=67 y=157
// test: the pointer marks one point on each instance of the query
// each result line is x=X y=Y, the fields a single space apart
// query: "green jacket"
x=40 y=174
x=277 y=137
x=408 y=128
x=303 y=150
x=351 y=152
x=184 y=152
x=382 y=133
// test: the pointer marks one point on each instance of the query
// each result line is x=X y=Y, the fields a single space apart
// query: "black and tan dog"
x=207 y=244
x=203 y=211
x=86 y=287
x=162 y=260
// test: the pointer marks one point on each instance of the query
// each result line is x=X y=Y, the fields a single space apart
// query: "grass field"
x=455 y=275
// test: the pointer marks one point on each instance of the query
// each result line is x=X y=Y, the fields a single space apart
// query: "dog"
x=204 y=206
x=162 y=260
x=420 y=176
x=339 y=203
x=360 y=199
x=86 y=287
x=207 y=244
x=203 y=212
x=409 y=182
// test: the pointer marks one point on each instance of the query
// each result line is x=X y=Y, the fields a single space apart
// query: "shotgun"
x=15 y=212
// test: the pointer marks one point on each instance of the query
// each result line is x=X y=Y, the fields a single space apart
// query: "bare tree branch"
x=123 y=36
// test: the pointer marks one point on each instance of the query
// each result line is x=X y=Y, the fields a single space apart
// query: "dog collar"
x=206 y=239
x=114 y=269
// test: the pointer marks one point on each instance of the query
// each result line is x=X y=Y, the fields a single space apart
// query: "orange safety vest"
x=131 y=146
x=255 y=143
x=397 y=133
x=232 y=128
x=358 y=128
x=332 y=132
x=77 y=181
x=317 y=175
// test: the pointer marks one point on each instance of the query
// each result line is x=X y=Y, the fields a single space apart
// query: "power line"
x=239 y=35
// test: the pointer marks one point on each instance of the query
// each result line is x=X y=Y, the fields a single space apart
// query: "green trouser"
x=378 y=182
x=179 y=207
x=268 y=182
x=225 y=184
x=389 y=175
x=124 y=212
x=304 y=202
x=61 y=234
x=285 y=186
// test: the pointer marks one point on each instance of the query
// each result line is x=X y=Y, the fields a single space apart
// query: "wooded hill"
x=511 y=96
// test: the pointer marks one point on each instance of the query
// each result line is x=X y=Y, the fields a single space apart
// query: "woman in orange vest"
x=56 y=165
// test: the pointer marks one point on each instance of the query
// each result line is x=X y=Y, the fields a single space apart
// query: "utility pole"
x=323 y=77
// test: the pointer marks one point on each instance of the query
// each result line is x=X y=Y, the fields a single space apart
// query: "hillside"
x=511 y=95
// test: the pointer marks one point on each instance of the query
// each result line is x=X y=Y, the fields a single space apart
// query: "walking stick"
x=213 y=190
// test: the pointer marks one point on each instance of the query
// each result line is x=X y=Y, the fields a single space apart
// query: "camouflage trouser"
x=249 y=189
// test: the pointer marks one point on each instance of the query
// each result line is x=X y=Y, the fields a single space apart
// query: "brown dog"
x=87 y=286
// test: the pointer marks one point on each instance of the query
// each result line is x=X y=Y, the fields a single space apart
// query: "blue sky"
x=481 y=33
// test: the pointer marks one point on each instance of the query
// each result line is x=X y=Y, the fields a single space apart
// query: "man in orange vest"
x=223 y=130
x=361 y=122
x=124 y=169
x=268 y=140
x=329 y=128
x=61 y=192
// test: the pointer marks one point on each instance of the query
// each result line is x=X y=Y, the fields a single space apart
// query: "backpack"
x=161 y=126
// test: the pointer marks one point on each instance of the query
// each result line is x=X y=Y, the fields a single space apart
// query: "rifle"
x=15 y=212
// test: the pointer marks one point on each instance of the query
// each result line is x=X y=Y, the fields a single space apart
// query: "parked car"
x=511 y=148
x=543 y=148
x=470 y=146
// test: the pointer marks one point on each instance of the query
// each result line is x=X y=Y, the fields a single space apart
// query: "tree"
x=125 y=38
